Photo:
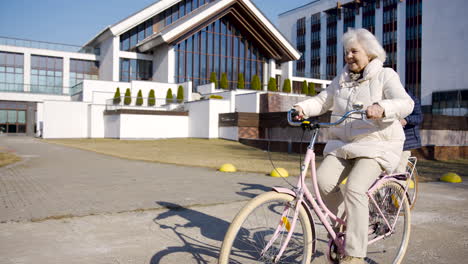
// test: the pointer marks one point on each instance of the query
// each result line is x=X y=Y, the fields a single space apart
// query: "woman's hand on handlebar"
x=375 y=111
x=298 y=115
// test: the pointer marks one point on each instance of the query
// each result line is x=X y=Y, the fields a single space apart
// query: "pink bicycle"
x=278 y=226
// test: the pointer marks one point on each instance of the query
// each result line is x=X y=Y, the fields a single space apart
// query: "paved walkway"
x=62 y=205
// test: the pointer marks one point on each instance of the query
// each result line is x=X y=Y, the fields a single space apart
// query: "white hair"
x=368 y=42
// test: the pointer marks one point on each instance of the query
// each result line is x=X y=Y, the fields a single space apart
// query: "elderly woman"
x=358 y=149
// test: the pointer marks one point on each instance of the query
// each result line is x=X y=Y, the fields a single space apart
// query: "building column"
x=358 y=19
x=27 y=72
x=323 y=44
x=66 y=75
x=339 y=45
x=171 y=65
x=379 y=23
x=115 y=59
x=401 y=41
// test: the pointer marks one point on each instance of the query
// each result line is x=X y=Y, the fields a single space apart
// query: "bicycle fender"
x=307 y=209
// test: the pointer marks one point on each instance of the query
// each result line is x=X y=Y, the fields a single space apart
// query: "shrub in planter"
x=287 y=86
x=224 y=81
x=151 y=98
x=128 y=97
x=312 y=91
x=180 y=94
x=117 y=98
x=214 y=96
x=214 y=79
x=139 y=100
x=169 y=96
x=305 y=89
x=272 y=85
x=255 y=83
x=240 y=81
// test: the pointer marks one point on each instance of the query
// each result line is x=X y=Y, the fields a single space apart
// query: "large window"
x=11 y=71
x=315 y=46
x=131 y=69
x=129 y=39
x=300 y=45
x=46 y=74
x=218 y=48
x=83 y=70
x=368 y=16
x=390 y=32
x=12 y=121
x=413 y=46
x=332 y=18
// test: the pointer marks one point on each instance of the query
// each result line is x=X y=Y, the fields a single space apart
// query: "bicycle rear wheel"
x=413 y=188
x=393 y=203
x=254 y=226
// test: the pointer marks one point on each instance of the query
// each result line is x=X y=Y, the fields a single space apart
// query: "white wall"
x=444 y=41
x=231 y=133
x=204 y=117
x=153 y=126
x=249 y=102
x=106 y=60
x=65 y=119
x=161 y=63
x=112 y=126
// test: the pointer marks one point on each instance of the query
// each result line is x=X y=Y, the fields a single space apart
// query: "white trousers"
x=352 y=199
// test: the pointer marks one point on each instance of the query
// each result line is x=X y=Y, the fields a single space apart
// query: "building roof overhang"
x=243 y=14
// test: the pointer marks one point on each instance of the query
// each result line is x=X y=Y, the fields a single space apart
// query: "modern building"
x=424 y=39
x=65 y=91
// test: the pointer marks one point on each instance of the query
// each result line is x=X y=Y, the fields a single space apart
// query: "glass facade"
x=11 y=71
x=46 y=74
x=129 y=39
x=300 y=45
x=368 y=16
x=332 y=18
x=218 y=48
x=83 y=70
x=349 y=20
x=413 y=46
x=131 y=69
x=315 y=46
x=12 y=121
x=390 y=32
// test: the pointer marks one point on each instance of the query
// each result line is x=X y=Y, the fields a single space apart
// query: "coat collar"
x=374 y=67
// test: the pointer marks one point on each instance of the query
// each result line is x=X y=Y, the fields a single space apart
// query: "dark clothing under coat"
x=414 y=120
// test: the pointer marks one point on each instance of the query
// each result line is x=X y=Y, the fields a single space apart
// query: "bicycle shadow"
x=210 y=227
x=255 y=187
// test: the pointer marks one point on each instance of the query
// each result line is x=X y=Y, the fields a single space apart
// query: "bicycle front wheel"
x=388 y=247
x=255 y=225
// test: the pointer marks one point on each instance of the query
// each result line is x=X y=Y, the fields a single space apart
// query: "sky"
x=78 y=21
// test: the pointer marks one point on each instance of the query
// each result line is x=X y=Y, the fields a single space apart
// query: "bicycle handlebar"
x=293 y=112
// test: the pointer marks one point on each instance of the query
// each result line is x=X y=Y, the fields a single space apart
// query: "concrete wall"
x=204 y=117
x=231 y=133
x=63 y=119
x=249 y=102
x=155 y=126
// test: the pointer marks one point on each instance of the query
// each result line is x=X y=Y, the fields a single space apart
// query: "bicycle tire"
x=413 y=192
x=244 y=232
x=390 y=196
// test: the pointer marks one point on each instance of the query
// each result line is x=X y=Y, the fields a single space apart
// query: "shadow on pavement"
x=250 y=186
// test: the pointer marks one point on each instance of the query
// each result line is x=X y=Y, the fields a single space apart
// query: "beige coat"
x=381 y=140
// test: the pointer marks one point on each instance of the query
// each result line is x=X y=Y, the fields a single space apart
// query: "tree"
x=151 y=98
x=128 y=97
x=255 y=83
x=240 y=81
x=139 y=100
x=117 y=98
x=312 y=89
x=272 y=85
x=224 y=81
x=214 y=79
x=305 y=90
x=169 y=96
x=287 y=86
x=180 y=94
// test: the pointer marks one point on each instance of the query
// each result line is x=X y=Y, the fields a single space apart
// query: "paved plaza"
x=63 y=205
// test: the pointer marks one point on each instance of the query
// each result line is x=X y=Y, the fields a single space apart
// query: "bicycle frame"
x=303 y=194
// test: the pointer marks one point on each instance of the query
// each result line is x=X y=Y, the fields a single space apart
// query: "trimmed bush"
x=287 y=86
x=312 y=89
x=169 y=96
x=305 y=89
x=214 y=96
x=139 y=100
x=128 y=97
x=224 y=81
x=255 y=83
x=240 y=81
x=272 y=85
x=180 y=94
x=214 y=79
x=117 y=98
x=151 y=98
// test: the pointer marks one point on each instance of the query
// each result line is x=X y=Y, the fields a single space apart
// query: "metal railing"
x=39 y=89
x=17 y=42
x=124 y=102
